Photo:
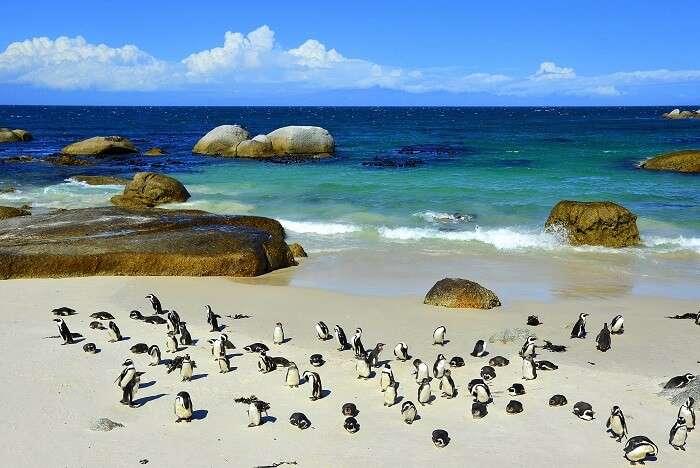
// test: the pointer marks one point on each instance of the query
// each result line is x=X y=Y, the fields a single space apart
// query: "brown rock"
x=118 y=241
x=100 y=180
x=594 y=223
x=67 y=160
x=297 y=250
x=100 y=145
x=18 y=159
x=7 y=212
x=678 y=161
x=461 y=293
x=148 y=189
x=9 y=136
x=155 y=151
x=8 y=190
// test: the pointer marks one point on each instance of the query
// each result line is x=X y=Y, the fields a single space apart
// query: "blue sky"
x=351 y=53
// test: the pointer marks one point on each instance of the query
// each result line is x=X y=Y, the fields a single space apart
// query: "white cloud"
x=550 y=71
x=314 y=54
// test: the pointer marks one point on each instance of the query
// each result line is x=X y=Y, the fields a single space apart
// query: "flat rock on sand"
x=7 y=212
x=119 y=241
x=678 y=161
x=461 y=293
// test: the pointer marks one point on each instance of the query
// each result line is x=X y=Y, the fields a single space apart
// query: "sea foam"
x=309 y=227
x=500 y=238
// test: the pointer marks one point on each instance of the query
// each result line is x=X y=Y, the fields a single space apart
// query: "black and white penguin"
x=63 y=330
x=363 y=368
x=529 y=347
x=447 y=385
x=97 y=326
x=390 y=394
x=341 y=338
x=171 y=342
x=487 y=373
x=256 y=408
x=514 y=407
x=139 y=348
x=516 y=389
x=322 y=331
x=579 y=330
x=299 y=420
x=351 y=425
x=638 y=448
x=688 y=413
x=154 y=353
x=265 y=364
x=425 y=394
x=479 y=410
x=183 y=407
x=480 y=391
x=584 y=410
x=256 y=348
x=440 y=438
x=373 y=356
x=357 y=344
x=603 y=339
x=617 y=325
x=422 y=372
x=439 y=366
x=136 y=315
x=558 y=400
x=278 y=334
x=498 y=361
x=173 y=321
x=315 y=380
x=349 y=409
x=479 y=349
x=185 y=337
x=212 y=318
x=529 y=369
x=545 y=365
x=292 y=378
x=102 y=316
x=616 y=424
x=90 y=348
x=680 y=381
x=409 y=412
x=401 y=351
x=155 y=303
x=187 y=368
x=128 y=380
x=224 y=364
x=155 y=320
x=555 y=348
x=386 y=377
x=679 y=433
x=114 y=333
x=63 y=311
x=533 y=320
x=218 y=346
x=457 y=361
x=439 y=335
x=316 y=360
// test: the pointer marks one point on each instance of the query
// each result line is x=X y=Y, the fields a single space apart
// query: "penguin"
x=638 y=448
x=187 y=368
x=553 y=347
x=533 y=320
x=173 y=321
x=212 y=318
x=218 y=346
x=155 y=320
x=155 y=303
x=175 y=363
x=603 y=339
x=315 y=380
x=183 y=407
x=488 y=373
x=292 y=378
x=256 y=348
x=514 y=407
x=280 y=361
x=558 y=400
x=363 y=368
x=185 y=337
x=439 y=336
x=456 y=361
x=224 y=364
x=373 y=356
x=440 y=438
x=479 y=410
x=113 y=332
x=341 y=338
x=256 y=408
x=171 y=343
x=688 y=413
x=316 y=360
x=390 y=394
x=545 y=365
x=154 y=353
x=422 y=371
x=128 y=380
x=90 y=348
x=409 y=413
x=678 y=434
x=139 y=348
x=480 y=391
x=529 y=347
x=584 y=410
x=64 y=331
x=616 y=424
x=401 y=351
x=424 y=392
x=617 y=325
x=479 y=349
x=265 y=364
x=278 y=334
x=516 y=389
x=498 y=361
x=529 y=369
x=299 y=420
x=447 y=385
x=351 y=425
x=96 y=326
x=579 y=330
x=63 y=311
x=322 y=331
x=386 y=377
x=357 y=344
x=680 y=381
x=439 y=366
x=102 y=316
x=349 y=409
x=135 y=315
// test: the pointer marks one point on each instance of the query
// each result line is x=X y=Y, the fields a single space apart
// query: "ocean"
x=468 y=184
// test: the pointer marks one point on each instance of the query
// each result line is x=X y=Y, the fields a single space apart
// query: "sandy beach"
x=53 y=393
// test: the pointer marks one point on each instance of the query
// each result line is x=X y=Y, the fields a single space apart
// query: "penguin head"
x=279 y=324
x=440 y=357
x=417 y=362
x=689 y=377
x=680 y=421
x=616 y=411
x=531 y=339
x=128 y=362
x=689 y=402
x=583 y=316
x=207 y=308
x=58 y=320
x=151 y=296
x=358 y=331
x=448 y=372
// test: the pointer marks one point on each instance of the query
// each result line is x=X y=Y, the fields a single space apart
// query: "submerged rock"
x=594 y=223
x=678 y=161
x=461 y=293
x=100 y=180
x=148 y=189
x=18 y=159
x=393 y=162
x=155 y=151
x=677 y=114
x=12 y=212
x=67 y=160
x=221 y=141
x=9 y=136
x=297 y=250
x=117 y=241
x=100 y=145
x=302 y=139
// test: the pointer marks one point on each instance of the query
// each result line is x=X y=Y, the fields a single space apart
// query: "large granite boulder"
x=118 y=241
x=221 y=141
x=299 y=139
x=677 y=114
x=594 y=223
x=7 y=212
x=259 y=147
x=9 y=136
x=461 y=293
x=100 y=145
x=678 y=161
x=100 y=180
x=148 y=189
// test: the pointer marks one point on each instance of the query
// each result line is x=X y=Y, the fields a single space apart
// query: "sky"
x=351 y=53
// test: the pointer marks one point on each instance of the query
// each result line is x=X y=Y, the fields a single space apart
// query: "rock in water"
x=676 y=114
x=678 y=161
x=297 y=139
x=100 y=145
x=100 y=180
x=148 y=189
x=155 y=151
x=461 y=293
x=9 y=136
x=11 y=212
x=221 y=141
x=140 y=242
x=104 y=425
x=259 y=147
x=297 y=250
x=594 y=223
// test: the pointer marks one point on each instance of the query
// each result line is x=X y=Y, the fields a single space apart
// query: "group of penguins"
x=636 y=449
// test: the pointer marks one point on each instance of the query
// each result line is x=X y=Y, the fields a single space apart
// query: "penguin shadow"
x=124 y=338
x=286 y=340
x=199 y=414
x=325 y=392
x=142 y=401
x=194 y=342
x=198 y=376
x=147 y=384
x=486 y=353
x=233 y=355
x=383 y=363
x=399 y=399
x=268 y=419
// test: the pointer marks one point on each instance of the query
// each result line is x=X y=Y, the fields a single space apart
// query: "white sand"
x=51 y=393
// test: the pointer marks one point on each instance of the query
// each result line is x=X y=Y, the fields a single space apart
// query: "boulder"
x=67 y=160
x=18 y=159
x=7 y=212
x=259 y=147
x=100 y=145
x=297 y=250
x=677 y=114
x=594 y=223
x=155 y=151
x=297 y=139
x=9 y=136
x=221 y=141
x=679 y=161
x=461 y=293
x=148 y=189
x=117 y=241
x=100 y=180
